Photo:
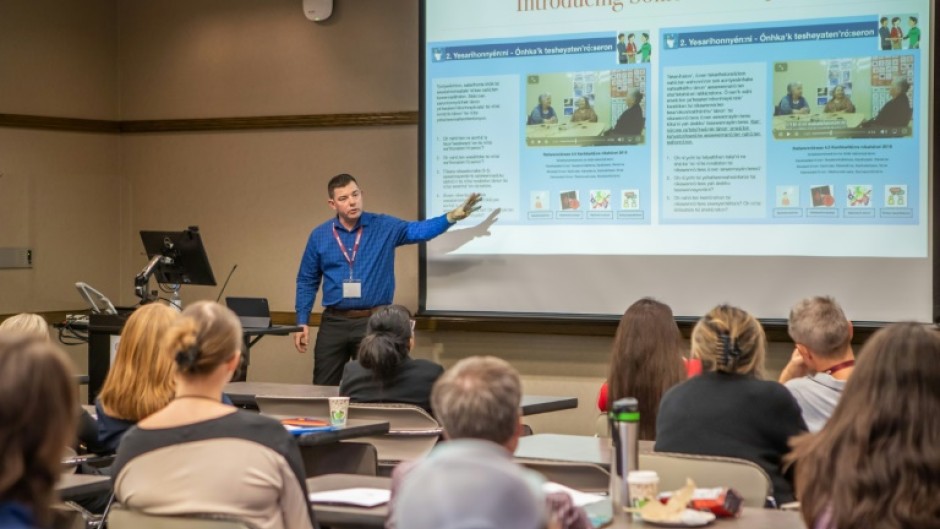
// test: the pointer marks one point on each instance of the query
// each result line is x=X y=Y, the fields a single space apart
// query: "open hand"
x=466 y=209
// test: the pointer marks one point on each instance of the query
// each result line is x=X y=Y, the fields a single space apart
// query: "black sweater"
x=733 y=416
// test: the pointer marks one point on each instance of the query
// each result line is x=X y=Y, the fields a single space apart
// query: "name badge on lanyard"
x=352 y=288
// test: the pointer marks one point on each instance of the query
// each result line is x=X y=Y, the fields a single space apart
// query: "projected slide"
x=677 y=143
x=805 y=121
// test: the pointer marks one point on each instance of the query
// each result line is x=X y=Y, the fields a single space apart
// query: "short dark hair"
x=884 y=19
x=630 y=36
x=620 y=36
x=913 y=19
x=340 y=180
x=646 y=36
x=896 y=19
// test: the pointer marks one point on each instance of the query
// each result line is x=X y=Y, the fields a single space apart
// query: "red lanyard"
x=839 y=367
x=350 y=260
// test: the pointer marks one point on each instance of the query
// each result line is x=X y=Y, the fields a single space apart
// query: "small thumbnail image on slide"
x=593 y=108
x=600 y=199
x=634 y=47
x=569 y=200
x=858 y=196
x=822 y=196
x=860 y=97
x=630 y=199
x=788 y=197
x=539 y=201
x=899 y=32
x=896 y=196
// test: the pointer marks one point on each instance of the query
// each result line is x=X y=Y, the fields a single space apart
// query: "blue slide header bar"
x=523 y=49
x=734 y=37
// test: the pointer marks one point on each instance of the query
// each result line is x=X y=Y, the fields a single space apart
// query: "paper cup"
x=339 y=410
x=644 y=487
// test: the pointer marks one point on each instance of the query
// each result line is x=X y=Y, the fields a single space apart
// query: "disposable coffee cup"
x=339 y=410
x=644 y=487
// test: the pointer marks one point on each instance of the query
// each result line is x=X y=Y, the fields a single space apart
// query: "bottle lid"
x=625 y=410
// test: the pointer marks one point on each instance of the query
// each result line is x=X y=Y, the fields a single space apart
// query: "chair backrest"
x=121 y=518
x=412 y=431
x=294 y=406
x=585 y=477
x=746 y=477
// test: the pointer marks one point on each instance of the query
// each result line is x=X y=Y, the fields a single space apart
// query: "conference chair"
x=121 y=518
x=585 y=477
x=294 y=406
x=412 y=431
x=747 y=478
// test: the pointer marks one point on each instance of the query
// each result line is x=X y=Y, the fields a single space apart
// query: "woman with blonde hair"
x=140 y=381
x=877 y=461
x=645 y=362
x=27 y=324
x=225 y=461
x=729 y=410
x=37 y=411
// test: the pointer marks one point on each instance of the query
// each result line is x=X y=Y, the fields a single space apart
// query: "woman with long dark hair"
x=646 y=360
x=384 y=370
x=877 y=461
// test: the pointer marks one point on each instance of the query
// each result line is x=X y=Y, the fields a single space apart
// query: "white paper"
x=580 y=499
x=360 y=497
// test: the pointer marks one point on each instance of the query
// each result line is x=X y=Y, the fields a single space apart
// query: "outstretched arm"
x=425 y=230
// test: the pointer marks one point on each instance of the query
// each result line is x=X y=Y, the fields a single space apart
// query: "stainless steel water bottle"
x=624 y=419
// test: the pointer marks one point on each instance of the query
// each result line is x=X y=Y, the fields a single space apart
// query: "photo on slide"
x=896 y=196
x=569 y=200
x=582 y=109
x=634 y=47
x=858 y=196
x=822 y=196
x=899 y=32
x=861 y=97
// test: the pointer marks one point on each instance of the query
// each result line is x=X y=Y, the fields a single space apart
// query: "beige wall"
x=255 y=195
x=59 y=190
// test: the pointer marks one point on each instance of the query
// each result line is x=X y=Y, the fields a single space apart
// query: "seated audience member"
x=823 y=358
x=472 y=476
x=839 y=101
x=200 y=456
x=793 y=102
x=646 y=360
x=877 y=461
x=140 y=380
x=728 y=410
x=632 y=121
x=466 y=484
x=543 y=112
x=37 y=414
x=897 y=111
x=584 y=112
x=384 y=372
x=26 y=324
x=34 y=325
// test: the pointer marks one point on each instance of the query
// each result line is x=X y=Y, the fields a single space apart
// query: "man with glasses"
x=353 y=256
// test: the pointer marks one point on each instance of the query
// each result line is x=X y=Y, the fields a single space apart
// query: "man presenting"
x=353 y=255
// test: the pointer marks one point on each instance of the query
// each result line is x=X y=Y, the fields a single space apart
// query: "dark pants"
x=337 y=342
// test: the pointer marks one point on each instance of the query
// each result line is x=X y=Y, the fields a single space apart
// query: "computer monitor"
x=184 y=260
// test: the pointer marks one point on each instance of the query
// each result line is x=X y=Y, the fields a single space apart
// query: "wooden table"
x=243 y=394
x=337 y=515
x=354 y=428
x=71 y=486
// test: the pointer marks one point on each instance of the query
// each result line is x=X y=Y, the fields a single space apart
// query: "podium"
x=104 y=332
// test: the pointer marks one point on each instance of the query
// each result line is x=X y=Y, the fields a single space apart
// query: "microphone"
x=226 y=283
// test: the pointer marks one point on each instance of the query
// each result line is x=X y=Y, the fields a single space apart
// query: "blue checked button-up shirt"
x=374 y=266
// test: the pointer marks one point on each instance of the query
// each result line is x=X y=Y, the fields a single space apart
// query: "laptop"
x=252 y=312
